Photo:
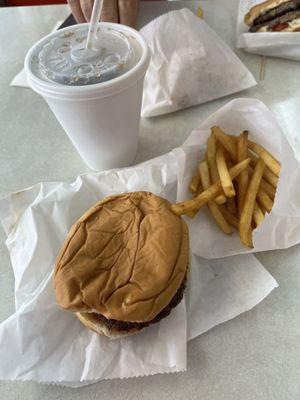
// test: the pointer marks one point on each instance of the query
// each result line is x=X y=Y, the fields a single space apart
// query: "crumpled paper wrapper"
x=43 y=343
x=189 y=65
x=273 y=44
x=281 y=228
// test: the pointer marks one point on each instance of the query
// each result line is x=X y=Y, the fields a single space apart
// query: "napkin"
x=281 y=228
x=189 y=64
x=44 y=343
x=275 y=44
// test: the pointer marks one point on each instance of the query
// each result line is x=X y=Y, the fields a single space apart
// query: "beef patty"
x=126 y=326
x=277 y=11
x=289 y=16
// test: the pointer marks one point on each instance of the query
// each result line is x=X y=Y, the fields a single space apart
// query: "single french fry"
x=264 y=200
x=211 y=159
x=268 y=174
x=194 y=183
x=231 y=205
x=192 y=214
x=243 y=178
x=226 y=141
x=269 y=160
x=230 y=218
x=245 y=228
x=225 y=179
x=258 y=215
x=209 y=194
x=212 y=205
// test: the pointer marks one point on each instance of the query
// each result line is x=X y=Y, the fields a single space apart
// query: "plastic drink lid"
x=65 y=60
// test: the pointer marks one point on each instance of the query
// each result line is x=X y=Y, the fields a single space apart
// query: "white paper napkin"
x=281 y=228
x=189 y=65
x=275 y=44
x=44 y=343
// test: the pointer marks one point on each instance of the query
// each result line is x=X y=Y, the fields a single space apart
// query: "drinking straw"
x=90 y=43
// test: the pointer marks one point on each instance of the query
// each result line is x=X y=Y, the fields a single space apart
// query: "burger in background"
x=274 y=16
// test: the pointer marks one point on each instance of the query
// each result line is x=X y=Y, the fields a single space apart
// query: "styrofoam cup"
x=102 y=119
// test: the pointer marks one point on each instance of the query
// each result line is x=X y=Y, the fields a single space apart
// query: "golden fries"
x=192 y=214
x=231 y=205
x=245 y=228
x=269 y=160
x=243 y=178
x=269 y=176
x=209 y=194
x=211 y=159
x=225 y=179
x=194 y=184
x=258 y=215
x=264 y=200
x=226 y=141
x=269 y=189
x=212 y=205
x=241 y=204
x=230 y=218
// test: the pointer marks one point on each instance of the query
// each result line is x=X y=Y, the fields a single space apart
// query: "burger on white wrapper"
x=44 y=343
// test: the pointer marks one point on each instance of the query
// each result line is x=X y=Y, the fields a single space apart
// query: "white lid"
x=127 y=67
x=65 y=60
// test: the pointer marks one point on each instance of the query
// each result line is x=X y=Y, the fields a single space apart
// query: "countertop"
x=256 y=355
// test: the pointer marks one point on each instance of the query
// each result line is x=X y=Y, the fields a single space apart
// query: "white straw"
x=90 y=43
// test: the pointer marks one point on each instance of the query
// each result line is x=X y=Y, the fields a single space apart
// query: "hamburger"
x=274 y=16
x=123 y=264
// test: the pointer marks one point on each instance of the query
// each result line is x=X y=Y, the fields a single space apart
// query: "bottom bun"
x=91 y=321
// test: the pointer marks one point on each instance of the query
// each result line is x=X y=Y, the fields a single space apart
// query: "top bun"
x=259 y=9
x=125 y=258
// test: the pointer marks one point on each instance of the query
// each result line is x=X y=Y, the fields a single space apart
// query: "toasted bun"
x=125 y=258
x=90 y=321
x=261 y=8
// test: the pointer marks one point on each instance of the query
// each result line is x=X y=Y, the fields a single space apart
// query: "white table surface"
x=253 y=357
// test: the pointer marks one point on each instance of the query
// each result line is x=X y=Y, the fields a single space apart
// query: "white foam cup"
x=101 y=119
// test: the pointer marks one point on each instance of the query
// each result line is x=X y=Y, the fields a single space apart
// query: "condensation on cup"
x=94 y=93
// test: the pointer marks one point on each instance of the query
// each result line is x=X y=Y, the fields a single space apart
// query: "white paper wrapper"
x=273 y=44
x=281 y=228
x=190 y=64
x=44 y=343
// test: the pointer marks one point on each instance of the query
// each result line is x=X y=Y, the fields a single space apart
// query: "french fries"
x=212 y=205
x=225 y=179
x=194 y=184
x=264 y=200
x=192 y=214
x=270 y=161
x=269 y=176
x=258 y=215
x=226 y=141
x=241 y=203
x=231 y=205
x=211 y=159
x=245 y=229
x=269 y=189
x=209 y=194
x=230 y=218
